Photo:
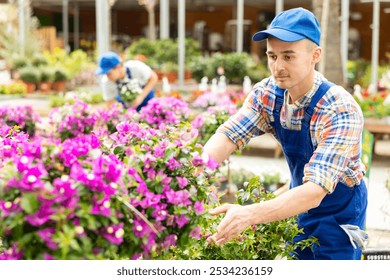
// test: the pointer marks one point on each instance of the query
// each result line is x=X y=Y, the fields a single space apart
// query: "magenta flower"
x=195 y=233
x=46 y=235
x=198 y=207
x=183 y=182
x=12 y=253
x=160 y=213
x=140 y=228
x=181 y=220
x=101 y=207
x=41 y=216
x=48 y=257
x=179 y=197
x=7 y=208
x=169 y=241
x=172 y=164
x=114 y=233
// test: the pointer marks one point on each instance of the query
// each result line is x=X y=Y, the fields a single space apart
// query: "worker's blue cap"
x=292 y=25
x=107 y=61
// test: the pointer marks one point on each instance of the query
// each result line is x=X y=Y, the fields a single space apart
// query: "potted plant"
x=30 y=76
x=16 y=63
x=46 y=80
x=59 y=79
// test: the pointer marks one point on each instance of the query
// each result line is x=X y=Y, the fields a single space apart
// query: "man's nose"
x=278 y=65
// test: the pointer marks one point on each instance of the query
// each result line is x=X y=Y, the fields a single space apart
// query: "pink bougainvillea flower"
x=195 y=233
x=172 y=164
x=169 y=241
x=7 y=208
x=102 y=206
x=198 y=207
x=47 y=234
x=42 y=215
x=180 y=197
x=181 y=220
x=12 y=253
x=183 y=182
x=114 y=233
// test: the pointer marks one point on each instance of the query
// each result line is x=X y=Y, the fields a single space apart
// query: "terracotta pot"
x=45 y=86
x=59 y=86
x=30 y=87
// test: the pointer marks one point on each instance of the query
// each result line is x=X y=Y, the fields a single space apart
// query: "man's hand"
x=137 y=102
x=236 y=220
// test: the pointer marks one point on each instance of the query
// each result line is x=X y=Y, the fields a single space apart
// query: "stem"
x=139 y=214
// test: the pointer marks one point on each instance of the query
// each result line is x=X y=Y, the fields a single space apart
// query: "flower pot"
x=59 y=86
x=30 y=87
x=45 y=86
x=171 y=76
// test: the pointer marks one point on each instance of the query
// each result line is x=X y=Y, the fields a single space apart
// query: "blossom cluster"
x=76 y=193
x=165 y=110
x=23 y=116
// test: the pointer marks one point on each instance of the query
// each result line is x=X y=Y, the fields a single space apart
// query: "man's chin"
x=281 y=83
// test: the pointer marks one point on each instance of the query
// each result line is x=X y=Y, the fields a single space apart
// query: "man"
x=319 y=127
x=115 y=73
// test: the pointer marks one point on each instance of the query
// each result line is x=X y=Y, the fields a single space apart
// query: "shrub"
x=259 y=242
x=46 y=74
x=29 y=75
x=60 y=74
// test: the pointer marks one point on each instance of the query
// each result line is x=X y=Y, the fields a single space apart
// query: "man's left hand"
x=137 y=102
x=234 y=222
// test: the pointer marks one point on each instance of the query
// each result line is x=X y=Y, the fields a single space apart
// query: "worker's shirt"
x=335 y=128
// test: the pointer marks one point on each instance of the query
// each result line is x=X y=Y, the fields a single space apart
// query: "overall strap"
x=279 y=99
x=128 y=72
x=322 y=89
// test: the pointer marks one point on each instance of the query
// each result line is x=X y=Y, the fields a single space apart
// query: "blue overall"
x=346 y=205
x=144 y=102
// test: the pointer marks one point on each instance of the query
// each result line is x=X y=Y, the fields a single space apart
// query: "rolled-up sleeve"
x=336 y=157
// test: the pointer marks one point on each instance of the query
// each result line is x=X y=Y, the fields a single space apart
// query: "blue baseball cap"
x=107 y=61
x=292 y=25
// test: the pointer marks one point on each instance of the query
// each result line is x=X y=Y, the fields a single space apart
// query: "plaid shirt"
x=335 y=128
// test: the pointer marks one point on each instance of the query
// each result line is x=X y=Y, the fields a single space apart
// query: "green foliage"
x=356 y=70
x=260 y=242
x=60 y=74
x=374 y=106
x=39 y=60
x=236 y=66
x=163 y=51
x=365 y=80
x=85 y=96
x=73 y=63
x=18 y=62
x=29 y=74
x=46 y=73
x=15 y=88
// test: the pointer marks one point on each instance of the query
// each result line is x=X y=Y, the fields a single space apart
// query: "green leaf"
x=29 y=202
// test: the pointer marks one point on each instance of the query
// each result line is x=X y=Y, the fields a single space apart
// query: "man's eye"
x=287 y=57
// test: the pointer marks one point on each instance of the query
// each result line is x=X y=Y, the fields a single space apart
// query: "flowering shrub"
x=376 y=106
x=72 y=120
x=165 y=110
x=23 y=116
x=209 y=121
x=78 y=199
x=259 y=242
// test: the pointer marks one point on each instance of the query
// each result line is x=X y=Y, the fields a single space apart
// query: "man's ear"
x=317 y=54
